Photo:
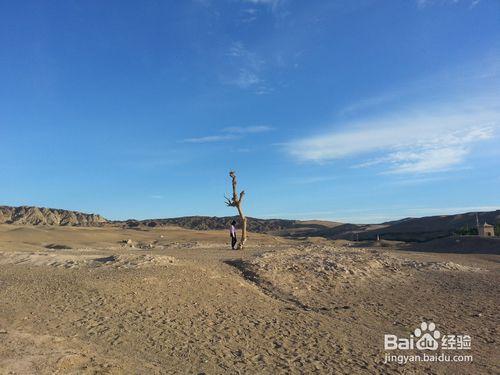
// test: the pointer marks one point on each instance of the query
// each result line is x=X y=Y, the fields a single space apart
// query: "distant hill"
x=408 y=229
x=271 y=226
x=47 y=216
x=413 y=229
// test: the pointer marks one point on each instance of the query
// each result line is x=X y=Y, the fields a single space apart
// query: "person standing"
x=232 y=232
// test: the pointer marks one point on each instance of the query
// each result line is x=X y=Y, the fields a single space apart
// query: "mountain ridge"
x=31 y=215
x=407 y=229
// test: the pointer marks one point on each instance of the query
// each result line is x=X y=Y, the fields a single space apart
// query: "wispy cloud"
x=255 y=9
x=209 y=139
x=417 y=180
x=229 y=134
x=312 y=180
x=248 y=129
x=426 y=160
x=425 y=3
x=237 y=49
x=249 y=15
x=427 y=140
x=368 y=103
x=157 y=196
x=246 y=79
x=437 y=154
x=247 y=68
x=271 y=3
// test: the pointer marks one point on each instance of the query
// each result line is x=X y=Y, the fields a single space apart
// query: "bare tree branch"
x=229 y=202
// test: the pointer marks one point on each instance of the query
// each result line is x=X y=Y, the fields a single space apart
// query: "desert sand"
x=169 y=300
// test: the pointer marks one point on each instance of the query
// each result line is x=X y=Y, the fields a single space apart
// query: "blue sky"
x=359 y=111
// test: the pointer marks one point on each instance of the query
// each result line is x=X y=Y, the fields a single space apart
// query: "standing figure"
x=232 y=232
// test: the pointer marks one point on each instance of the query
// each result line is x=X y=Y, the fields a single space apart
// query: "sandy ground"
x=115 y=301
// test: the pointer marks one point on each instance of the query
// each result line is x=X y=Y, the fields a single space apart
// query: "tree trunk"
x=243 y=230
x=236 y=202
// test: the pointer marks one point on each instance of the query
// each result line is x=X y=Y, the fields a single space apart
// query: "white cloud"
x=277 y=8
x=272 y=3
x=246 y=68
x=368 y=103
x=249 y=60
x=417 y=180
x=248 y=129
x=231 y=133
x=418 y=142
x=237 y=50
x=313 y=180
x=425 y=3
x=249 y=15
x=423 y=160
x=209 y=139
x=261 y=1
x=246 y=79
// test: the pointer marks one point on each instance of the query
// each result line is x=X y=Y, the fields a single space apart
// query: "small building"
x=486 y=230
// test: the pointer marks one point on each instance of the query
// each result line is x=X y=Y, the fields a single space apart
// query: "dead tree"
x=235 y=201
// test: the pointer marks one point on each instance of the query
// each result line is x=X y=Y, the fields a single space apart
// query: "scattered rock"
x=132 y=261
x=128 y=242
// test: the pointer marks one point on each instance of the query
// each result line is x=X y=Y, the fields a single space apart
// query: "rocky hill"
x=48 y=216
